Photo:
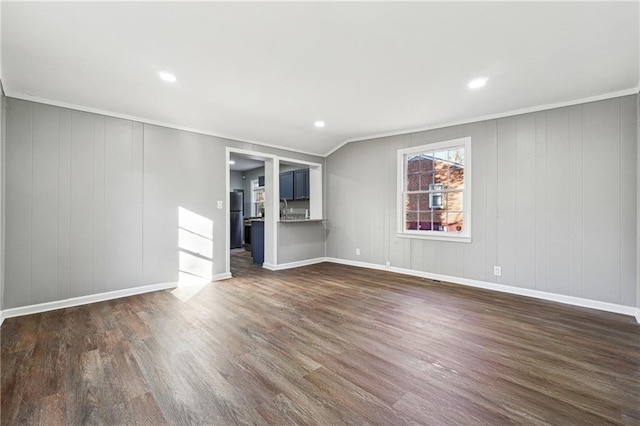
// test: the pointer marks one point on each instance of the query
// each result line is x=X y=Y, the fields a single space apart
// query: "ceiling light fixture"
x=477 y=83
x=232 y=162
x=319 y=124
x=167 y=76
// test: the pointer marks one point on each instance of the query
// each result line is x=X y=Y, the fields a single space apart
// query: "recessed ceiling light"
x=478 y=82
x=232 y=162
x=319 y=124
x=166 y=76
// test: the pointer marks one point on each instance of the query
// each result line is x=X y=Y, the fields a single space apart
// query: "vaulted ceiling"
x=265 y=72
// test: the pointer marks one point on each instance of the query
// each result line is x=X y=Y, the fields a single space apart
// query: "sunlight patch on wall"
x=194 y=243
x=195 y=265
x=195 y=246
x=195 y=223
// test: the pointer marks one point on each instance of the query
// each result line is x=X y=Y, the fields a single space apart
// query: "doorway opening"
x=247 y=197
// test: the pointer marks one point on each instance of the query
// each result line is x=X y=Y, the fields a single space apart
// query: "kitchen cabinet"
x=294 y=185
x=301 y=184
x=260 y=181
x=257 y=241
x=286 y=186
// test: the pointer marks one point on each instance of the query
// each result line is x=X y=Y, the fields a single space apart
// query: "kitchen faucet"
x=285 y=209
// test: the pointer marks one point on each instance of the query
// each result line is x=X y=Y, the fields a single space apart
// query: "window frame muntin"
x=402 y=157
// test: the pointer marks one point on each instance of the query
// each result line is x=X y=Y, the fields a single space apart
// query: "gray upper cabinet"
x=294 y=185
x=301 y=184
x=286 y=186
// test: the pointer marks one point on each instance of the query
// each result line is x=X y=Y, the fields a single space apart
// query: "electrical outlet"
x=388 y=264
x=357 y=252
x=497 y=271
x=220 y=204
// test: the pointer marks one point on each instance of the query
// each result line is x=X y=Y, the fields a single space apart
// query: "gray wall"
x=3 y=128
x=92 y=201
x=248 y=176
x=235 y=180
x=554 y=202
x=300 y=241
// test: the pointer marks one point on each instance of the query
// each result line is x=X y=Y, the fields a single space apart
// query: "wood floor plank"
x=324 y=344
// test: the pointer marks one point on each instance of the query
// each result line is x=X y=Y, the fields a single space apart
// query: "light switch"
x=220 y=204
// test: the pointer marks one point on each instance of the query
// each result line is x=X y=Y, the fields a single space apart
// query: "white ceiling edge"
x=47 y=101
x=538 y=108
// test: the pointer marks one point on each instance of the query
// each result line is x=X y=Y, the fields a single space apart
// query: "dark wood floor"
x=325 y=344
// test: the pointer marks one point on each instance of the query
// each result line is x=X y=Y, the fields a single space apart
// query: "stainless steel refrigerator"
x=235 y=206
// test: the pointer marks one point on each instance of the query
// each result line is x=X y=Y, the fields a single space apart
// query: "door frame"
x=271 y=205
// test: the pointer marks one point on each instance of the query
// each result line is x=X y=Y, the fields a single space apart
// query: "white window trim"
x=466 y=215
x=254 y=190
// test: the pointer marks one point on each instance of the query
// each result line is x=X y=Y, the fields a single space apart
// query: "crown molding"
x=610 y=95
x=510 y=113
x=62 y=104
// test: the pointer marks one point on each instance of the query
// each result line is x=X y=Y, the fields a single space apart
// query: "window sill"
x=421 y=236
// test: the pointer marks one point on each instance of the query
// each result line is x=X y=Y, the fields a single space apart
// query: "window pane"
x=441 y=176
x=413 y=182
x=423 y=202
x=436 y=200
x=425 y=221
x=454 y=221
x=454 y=201
x=439 y=220
x=411 y=220
x=413 y=163
x=426 y=179
x=441 y=155
x=411 y=202
x=456 y=156
x=426 y=165
x=456 y=177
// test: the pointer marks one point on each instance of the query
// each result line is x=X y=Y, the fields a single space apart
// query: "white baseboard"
x=569 y=300
x=84 y=300
x=1 y=317
x=297 y=264
x=222 y=276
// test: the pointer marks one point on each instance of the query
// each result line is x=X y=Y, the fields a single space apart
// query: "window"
x=434 y=191
x=257 y=199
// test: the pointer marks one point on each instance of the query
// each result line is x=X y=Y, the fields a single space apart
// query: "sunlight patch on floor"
x=188 y=286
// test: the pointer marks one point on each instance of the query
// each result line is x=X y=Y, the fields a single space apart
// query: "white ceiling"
x=242 y=163
x=264 y=72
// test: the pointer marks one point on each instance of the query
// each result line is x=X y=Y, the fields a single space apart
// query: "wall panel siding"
x=176 y=176
x=506 y=226
x=99 y=205
x=44 y=218
x=474 y=255
x=491 y=223
x=601 y=202
x=123 y=203
x=628 y=210
x=18 y=200
x=558 y=203
x=576 y=212
x=92 y=202
x=554 y=196
x=525 y=267
x=541 y=226
x=64 y=202
x=81 y=240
